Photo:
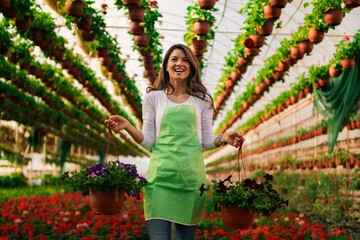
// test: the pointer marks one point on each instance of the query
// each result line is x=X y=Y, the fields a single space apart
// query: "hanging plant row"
x=143 y=15
x=275 y=68
x=261 y=16
x=54 y=46
x=92 y=37
x=200 y=30
x=56 y=81
x=49 y=116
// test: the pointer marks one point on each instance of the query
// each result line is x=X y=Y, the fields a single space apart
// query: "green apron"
x=176 y=170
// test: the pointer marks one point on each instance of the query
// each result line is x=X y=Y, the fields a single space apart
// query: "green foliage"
x=14 y=180
x=259 y=198
x=196 y=14
x=318 y=72
x=347 y=49
x=114 y=175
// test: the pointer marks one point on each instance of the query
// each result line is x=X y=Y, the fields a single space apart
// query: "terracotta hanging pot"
x=106 y=61
x=251 y=51
x=202 y=28
x=46 y=46
x=136 y=29
x=85 y=23
x=315 y=35
x=9 y=12
x=66 y=64
x=333 y=17
x=235 y=76
x=32 y=70
x=141 y=40
x=306 y=46
x=4 y=3
x=23 y=24
x=272 y=13
x=87 y=35
x=197 y=51
x=301 y=94
x=136 y=14
x=102 y=52
x=295 y=53
x=145 y=52
x=348 y=63
x=307 y=90
x=245 y=60
x=316 y=85
x=278 y=3
x=266 y=28
x=237 y=218
x=333 y=72
x=199 y=43
x=283 y=66
x=12 y=57
x=259 y=40
x=60 y=55
x=291 y=61
x=352 y=3
x=24 y=65
x=242 y=68
x=257 y=90
x=147 y=59
x=114 y=75
x=324 y=81
x=105 y=202
x=131 y=2
x=36 y=35
x=199 y=57
x=293 y=99
x=74 y=8
x=112 y=67
x=278 y=75
x=206 y=4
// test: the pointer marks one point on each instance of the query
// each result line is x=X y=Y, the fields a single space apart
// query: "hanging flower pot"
x=333 y=72
x=257 y=89
x=278 y=75
x=141 y=40
x=106 y=61
x=197 y=51
x=333 y=17
x=283 y=66
x=4 y=3
x=24 y=65
x=278 y=3
x=269 y=81
x=145 y=52
x=352 y=3
x=12 y=57
x=87 y=35
x=272 y=13
x=46 y=46
x=147 y=59
x=112 y=67
x=23 y=24
x=259 y=40
x=10 y=12
x=245 y=60
x=306 y=46
x=136 y=29
x=85 y=23
x=293 y=99
x=291 y=61
x=66 y=64
x=348 y=63
x=295 y=53
x=36 y=35
x=114 y=75
x=301 y=94
x=206 y=4
x=202 y=28
x=105 y=202
x=315 y=35
x=33 y=70
x=102 y=52
x=199 y=57
x=316 y=85
x=235 y=76
x=130 y=3
x=242 y=68
x=74 y=8
x=136 y=14
x=266 y=28
x=199 y=43
x=251 y=51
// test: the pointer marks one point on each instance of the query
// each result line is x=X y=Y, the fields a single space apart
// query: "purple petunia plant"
x=113 y=175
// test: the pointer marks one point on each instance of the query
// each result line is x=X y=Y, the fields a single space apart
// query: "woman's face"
x=178 y=66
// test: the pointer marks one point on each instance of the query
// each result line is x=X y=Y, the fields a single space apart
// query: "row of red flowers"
x=68 y=216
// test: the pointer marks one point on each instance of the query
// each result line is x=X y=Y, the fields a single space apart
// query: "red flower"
x=346 y=38
x=104 y=5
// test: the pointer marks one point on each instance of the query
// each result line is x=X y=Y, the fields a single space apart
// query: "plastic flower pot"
x=136 y=14
x=206 y=4
x=352 y=3
x=259 y=40
x=348 y=63
x=202 y=28
x=278 y=3
x=306 y=46
x=10 y=12
x=316 y=36
x=85 y=23
x=23 y=24
x=266 y=28
x=295 y=53
x=199 y=43
x=131 y=2
x=333 y=72
x=324 y=81
x=74 y=8
x=283 y=66
x=272 y=13
x=333 y=17
x=4 y=3
x=106 y=202
x=237 y=217
x=135 y=28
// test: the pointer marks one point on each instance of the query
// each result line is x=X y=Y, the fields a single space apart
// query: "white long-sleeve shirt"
x=154 y=105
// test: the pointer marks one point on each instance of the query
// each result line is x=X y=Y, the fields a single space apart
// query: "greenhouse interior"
x=283 y=74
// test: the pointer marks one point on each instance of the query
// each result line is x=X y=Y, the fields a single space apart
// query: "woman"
x=177 y=124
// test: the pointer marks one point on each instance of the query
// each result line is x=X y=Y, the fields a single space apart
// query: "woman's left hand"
x=234 y=138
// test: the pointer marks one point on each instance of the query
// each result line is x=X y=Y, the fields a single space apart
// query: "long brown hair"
x=194 y=86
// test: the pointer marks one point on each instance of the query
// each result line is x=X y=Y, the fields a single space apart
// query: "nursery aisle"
x=68 y=216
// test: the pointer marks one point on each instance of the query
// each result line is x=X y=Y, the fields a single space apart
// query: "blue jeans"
x=159 y=229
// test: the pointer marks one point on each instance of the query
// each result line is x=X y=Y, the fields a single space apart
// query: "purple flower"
x=97 y=170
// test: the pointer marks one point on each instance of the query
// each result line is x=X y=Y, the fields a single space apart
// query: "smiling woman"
x=177 y=117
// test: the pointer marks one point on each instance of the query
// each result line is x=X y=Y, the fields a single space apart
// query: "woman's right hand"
x=117 y=123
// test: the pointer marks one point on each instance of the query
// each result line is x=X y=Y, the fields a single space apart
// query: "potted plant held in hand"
x=106 y=185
